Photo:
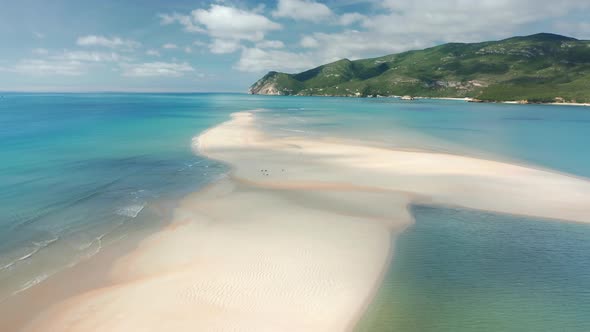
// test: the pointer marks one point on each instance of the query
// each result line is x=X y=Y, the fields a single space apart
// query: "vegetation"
x=537 y=68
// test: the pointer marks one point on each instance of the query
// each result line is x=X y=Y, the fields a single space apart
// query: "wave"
x=293 y=130
x=43 y=276
x=130 y=211
x=32 y=282
x=38 y=246
x=60 y=206
x=189 y=165
x=98 y=241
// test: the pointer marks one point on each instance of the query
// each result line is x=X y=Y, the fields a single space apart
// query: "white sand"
x=298 y=237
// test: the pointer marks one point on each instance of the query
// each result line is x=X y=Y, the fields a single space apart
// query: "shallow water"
x=80 y=171
x=458 y=270
x=547 y=136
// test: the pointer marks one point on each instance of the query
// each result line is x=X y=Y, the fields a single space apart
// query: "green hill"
x=537 y=68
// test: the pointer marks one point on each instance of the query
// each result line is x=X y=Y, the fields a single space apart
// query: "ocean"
x=80 y=172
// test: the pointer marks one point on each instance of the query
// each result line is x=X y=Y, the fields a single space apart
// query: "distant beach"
x=475 y=100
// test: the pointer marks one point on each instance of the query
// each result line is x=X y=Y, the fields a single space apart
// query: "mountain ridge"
x=543 y=67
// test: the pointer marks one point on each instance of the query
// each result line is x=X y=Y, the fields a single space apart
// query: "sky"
x=226 y=45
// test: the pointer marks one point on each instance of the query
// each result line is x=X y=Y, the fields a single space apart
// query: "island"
x=540 y=68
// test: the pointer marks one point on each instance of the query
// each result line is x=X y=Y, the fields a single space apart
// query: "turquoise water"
x=548 y=136
x=81 y=171
x=458 y=270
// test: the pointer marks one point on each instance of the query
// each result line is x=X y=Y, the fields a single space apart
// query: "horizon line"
x=120 y=91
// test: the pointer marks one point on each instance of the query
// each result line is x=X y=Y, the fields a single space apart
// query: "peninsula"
x=540 y=68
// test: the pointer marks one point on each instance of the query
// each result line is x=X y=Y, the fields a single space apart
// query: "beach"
x=298 y=236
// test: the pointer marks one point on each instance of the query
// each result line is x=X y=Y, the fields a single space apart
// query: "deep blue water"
x=80 y=171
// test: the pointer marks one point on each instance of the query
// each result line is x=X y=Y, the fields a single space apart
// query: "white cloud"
x=309 y=42
x=169 y=46
x=259 y=60
x=88 y=56
x=225 y=22
x=152 y=52
x=184 y=20
x=42 y=67
x=220 y=46
x=157 y=69
x=351 y=18
x=226 y=26
x=188 y=50
x=115 y=42
x=305 y=10
x=270 y=44
x=38 y=35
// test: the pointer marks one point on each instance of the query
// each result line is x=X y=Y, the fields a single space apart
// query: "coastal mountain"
x=537 y=68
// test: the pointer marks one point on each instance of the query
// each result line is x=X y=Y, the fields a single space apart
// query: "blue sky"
x=178 y=45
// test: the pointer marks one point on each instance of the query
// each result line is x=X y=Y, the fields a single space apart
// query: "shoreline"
x=512 y=102
x=463 y=99
x=89 y=274
x=299 y=234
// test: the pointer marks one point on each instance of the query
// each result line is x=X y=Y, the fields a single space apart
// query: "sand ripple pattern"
x=297 y=237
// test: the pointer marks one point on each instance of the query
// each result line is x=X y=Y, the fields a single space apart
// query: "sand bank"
x=297 y=238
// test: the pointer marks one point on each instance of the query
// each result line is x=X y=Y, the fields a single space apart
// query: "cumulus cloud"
x=156 y=69
x=227 y=26
x=220 y=46
x=270 y=44
x=225 y=22
x=185 y=20
x=351 y=18
x=304 y=10
x=101 y=41
x=309 y=42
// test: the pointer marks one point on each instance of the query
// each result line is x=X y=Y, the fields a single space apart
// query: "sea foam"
x=130 y=211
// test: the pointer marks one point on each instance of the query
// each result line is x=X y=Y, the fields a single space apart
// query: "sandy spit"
x=297 y=238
